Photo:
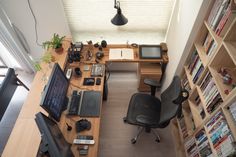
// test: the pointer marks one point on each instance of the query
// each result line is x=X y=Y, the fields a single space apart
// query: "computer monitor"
x=150 y=51
x=53 y=143
x=54 y=99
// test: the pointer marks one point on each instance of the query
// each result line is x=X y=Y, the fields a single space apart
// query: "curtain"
x=148 y=20
x=15 y=49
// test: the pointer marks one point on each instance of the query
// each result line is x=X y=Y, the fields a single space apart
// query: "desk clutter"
x=85 y=104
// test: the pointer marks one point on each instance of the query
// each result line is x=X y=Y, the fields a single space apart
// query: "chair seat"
x=144 y=110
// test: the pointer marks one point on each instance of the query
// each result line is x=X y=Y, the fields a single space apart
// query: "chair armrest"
x=152 y=82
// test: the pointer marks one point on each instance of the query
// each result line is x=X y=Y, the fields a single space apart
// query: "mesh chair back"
x=169 y=108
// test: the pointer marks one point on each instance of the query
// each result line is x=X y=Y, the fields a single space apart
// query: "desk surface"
x=25 y=137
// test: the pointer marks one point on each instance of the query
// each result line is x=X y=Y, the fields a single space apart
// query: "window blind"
x=91 y=20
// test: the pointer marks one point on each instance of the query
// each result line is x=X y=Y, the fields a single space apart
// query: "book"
x=196 y=68
x=223 y=21
x=198 y=74
x=212 y=49
x=214 y=10
x=220 y=13
x=123 y=53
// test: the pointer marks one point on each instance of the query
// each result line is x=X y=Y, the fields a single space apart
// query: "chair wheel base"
x=158 y=140
x=133 y=141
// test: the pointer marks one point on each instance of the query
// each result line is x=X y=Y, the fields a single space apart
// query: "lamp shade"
x=119 y=19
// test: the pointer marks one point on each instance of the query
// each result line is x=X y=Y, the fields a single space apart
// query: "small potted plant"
x=55 y=43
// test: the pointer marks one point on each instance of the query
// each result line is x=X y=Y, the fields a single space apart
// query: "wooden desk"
x=25 y=137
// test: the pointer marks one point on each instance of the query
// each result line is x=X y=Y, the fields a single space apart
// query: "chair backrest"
x=7 y=89
x=171 y=100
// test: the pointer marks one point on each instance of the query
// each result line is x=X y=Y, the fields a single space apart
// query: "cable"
x=108 y=72
x=35 y=23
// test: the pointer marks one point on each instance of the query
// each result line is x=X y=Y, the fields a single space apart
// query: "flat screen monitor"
x=53 y=143
x=54 y=95
x=150 y=51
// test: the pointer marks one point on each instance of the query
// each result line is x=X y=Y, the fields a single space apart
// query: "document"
x=121 y=53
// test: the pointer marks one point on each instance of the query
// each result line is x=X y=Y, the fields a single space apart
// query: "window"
x=91 y=20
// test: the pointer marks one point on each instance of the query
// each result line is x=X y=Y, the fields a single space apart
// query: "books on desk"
x=121 y=53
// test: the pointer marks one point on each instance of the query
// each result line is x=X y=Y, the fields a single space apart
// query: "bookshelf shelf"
x=223 y=70
x=179 y=149
x=204 y=58
x=210 y=73
x=189 y=77
x=231 y=48
x=217 y=38
x=188 y=117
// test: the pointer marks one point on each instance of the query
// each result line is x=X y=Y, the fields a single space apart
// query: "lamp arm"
x=117 y=4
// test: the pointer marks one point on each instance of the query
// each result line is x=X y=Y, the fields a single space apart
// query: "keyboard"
x=74 y=104
x=85 y=104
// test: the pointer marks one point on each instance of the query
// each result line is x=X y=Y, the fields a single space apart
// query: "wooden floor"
x=115 y=135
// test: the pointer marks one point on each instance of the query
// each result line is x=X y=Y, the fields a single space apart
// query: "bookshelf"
x=207 y=126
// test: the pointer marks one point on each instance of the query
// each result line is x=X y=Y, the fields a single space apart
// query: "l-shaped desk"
x=25 y=137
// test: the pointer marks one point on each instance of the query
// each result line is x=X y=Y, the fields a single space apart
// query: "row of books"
x=232 y=110
x=183 y=127
x=220 y=14
x=209 y=45
x=220 y=135
x=195 y=66
x=186 y=84
x=210 y=93
x=198 y=104
x=191 y=148
x=203 y=144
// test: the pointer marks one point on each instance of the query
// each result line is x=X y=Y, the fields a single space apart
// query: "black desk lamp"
x=119 y=19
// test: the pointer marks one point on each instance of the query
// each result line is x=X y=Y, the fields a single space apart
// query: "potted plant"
x=55 y=43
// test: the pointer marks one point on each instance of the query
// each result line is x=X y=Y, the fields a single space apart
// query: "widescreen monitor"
x=150 y=51
x=54 y=96
x=53 y=143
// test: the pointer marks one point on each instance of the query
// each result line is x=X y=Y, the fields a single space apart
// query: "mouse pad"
x=88 y=81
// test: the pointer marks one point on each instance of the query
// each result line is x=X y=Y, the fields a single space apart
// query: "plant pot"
x=59 y=50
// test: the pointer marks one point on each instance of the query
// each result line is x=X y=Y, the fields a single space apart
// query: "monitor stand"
x=43 y=150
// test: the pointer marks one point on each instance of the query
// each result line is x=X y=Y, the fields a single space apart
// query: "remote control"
x=68 y=73
x=78 y=141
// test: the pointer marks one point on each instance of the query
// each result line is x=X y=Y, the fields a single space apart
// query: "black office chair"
x=147 y=111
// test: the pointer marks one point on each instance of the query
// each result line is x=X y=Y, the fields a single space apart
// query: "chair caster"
x=133 y=141
x=125 y=120
x=158 y=140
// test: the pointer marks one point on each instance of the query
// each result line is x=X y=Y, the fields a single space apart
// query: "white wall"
x=50 y=18
x=185 y=23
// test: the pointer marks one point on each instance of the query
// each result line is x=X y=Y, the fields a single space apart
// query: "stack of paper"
x=121 y=54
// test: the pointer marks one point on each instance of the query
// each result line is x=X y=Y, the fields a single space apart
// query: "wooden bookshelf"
x=209 y=73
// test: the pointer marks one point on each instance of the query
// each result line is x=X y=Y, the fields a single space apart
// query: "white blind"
x=91 y=20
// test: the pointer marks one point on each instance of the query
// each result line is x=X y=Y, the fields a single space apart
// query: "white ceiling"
x=91 y=19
